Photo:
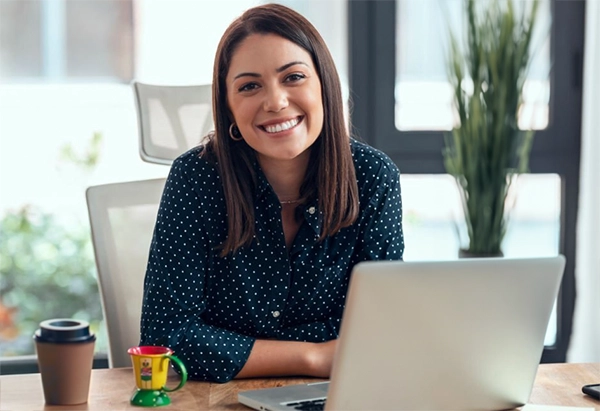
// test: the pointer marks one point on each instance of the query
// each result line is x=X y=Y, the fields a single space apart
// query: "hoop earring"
x=234 y=133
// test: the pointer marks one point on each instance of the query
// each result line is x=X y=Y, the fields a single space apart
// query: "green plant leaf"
x=485 y=150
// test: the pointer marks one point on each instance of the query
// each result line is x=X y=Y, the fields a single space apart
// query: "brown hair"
x=330 y=175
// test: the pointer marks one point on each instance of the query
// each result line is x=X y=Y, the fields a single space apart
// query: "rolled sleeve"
x=174 y=300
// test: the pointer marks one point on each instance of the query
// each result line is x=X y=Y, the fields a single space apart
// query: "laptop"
x=444 y=335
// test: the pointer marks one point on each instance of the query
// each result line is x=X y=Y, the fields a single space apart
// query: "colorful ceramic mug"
x=151 y=367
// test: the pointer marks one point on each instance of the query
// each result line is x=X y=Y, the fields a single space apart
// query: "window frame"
x=556 y=149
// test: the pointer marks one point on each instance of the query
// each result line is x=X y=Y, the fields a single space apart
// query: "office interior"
x=68 y=122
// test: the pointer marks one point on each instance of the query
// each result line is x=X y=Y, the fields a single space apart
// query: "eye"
x=248 y=87
x=295 y=77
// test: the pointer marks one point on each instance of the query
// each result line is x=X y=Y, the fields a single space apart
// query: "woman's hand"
x=320 y=358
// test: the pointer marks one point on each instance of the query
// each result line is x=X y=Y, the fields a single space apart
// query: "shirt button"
x=276 y=314
x=311 y=210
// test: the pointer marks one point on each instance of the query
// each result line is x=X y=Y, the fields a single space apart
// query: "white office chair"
x=122 y=218
x=172 y=119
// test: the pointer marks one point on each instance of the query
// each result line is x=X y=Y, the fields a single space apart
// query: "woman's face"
x=274 y=94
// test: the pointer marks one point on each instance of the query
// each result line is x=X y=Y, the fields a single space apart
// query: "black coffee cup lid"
x=64 y=330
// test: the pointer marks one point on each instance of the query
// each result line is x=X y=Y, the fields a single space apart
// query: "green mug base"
x=150 y=398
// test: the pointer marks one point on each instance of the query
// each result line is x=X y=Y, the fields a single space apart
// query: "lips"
x=277 y=127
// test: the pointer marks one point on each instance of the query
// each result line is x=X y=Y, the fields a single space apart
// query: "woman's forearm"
x=271 y=358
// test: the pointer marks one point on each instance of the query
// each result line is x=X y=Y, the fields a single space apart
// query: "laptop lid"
x=444 y=335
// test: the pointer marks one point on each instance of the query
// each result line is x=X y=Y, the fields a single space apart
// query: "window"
x=21 y=31
x=54 y=121
x=434 y=226
x=423 y=96
x=49 y=41
x=383 y=83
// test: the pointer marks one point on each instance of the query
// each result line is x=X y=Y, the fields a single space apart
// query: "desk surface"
x=555 y=384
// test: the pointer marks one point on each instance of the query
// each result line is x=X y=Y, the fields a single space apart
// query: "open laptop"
x=445 y=335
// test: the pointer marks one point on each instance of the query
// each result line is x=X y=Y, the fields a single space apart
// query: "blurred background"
x=67 y=121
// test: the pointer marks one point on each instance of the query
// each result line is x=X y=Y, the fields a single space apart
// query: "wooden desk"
x=555 y=384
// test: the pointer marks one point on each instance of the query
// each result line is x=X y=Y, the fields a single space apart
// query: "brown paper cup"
x=65 y=366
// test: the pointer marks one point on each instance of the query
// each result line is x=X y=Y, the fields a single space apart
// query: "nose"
x=275 y=99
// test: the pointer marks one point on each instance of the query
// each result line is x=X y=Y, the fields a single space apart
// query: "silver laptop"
x=445 y=335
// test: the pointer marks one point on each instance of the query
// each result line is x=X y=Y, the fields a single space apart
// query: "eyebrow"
x=278 y=70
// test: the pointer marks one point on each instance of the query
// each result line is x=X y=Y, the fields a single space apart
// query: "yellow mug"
x=151 y=367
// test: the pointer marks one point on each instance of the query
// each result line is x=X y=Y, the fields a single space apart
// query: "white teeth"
x=286 y=125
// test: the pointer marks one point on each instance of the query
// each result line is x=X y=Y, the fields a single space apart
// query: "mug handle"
x=181 y=366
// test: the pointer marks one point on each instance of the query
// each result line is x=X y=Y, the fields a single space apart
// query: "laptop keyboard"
x=310 y=405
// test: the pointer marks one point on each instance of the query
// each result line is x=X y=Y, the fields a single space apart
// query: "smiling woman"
x=274 y=95
x=62 y=80
x=258 y=231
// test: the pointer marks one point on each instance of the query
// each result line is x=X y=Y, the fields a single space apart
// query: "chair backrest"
x=171 y=119
x=122 y=218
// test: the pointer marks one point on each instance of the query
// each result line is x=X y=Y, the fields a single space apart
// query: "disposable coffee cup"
x=65 y=352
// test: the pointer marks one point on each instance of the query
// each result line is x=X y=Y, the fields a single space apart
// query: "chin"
x=288 y=151
x=287 y=155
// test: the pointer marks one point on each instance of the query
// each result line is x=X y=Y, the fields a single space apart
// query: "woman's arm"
x=270 y=358
x=174 y=289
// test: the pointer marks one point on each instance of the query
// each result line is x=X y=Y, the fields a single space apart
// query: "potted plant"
x=487 y=149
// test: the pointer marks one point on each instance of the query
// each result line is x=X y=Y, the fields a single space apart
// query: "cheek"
x=317 y=114
x=247 y=106
x=239 y=110
x=316 y=105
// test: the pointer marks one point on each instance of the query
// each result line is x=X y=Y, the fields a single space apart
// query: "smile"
x=286 y=125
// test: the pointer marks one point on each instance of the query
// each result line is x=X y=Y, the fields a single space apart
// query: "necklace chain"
x=290 y=201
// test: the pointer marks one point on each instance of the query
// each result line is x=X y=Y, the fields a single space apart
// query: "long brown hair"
x=330 y=176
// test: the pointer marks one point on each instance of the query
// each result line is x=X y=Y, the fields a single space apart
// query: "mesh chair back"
x=171 y=119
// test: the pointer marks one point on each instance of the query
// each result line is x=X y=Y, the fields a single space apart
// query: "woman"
x=258 y=231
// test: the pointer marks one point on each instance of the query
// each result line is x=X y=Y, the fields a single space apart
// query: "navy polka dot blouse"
x=210 y=309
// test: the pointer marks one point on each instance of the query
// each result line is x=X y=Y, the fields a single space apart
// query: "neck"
x=286 y=176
